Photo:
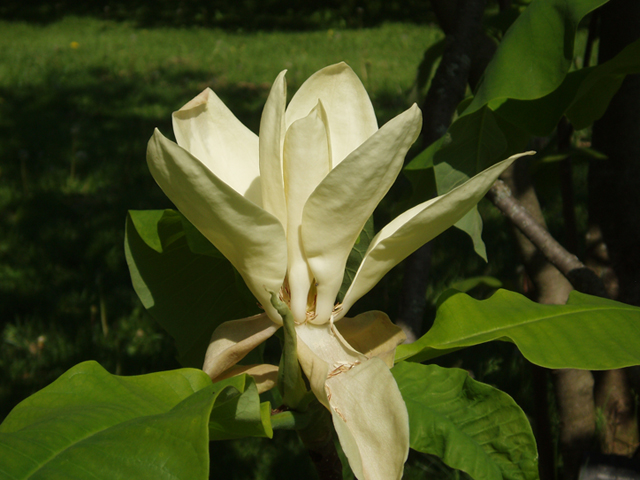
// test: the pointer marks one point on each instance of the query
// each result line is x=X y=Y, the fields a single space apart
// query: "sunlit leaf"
x=471 y=426
x=588 y=332
x=91 y=424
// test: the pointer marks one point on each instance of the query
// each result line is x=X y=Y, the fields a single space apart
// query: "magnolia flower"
x=286 y=209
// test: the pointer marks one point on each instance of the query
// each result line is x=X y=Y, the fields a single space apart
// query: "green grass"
x=385 y=58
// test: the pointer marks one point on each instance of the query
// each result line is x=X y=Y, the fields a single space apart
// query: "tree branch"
x=582 y=278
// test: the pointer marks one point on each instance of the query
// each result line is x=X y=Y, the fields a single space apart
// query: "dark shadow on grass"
x=72 y=162
x=243 y=15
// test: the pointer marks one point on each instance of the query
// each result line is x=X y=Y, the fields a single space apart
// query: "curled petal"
x=415 y=227
x=264 y=374
x=207 y=129
x=349 y=110
x=367 y=409
x=252 y=239
x=373 y=334
x=272 y=131
x=338 y=208
x=233 y=340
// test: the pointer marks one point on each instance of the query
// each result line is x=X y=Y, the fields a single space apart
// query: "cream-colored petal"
x=415 y=227
x=233 y=340
x=371 y=420
x=252 y=239
x=338 y=209
x=368 y=412
x=349 y=110
x=265 y=375
x=321 y=351
x=373 y=334
x=271 y=140
x=207 y=129
x=306 y=163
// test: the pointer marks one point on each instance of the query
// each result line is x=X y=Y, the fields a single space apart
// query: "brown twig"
x=582 y=278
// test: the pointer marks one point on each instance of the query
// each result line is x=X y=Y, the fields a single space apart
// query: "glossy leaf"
x=188 y=293
x=91 y=424
x=471 y=426
x=588 y=332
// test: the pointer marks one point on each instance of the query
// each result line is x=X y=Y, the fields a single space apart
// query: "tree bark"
x=573 y=388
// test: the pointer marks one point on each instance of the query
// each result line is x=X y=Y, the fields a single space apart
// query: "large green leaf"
x=535 y=54
x=588 y=332
x=181 y=279
x=583 y=96
x=91 y=424
x=471 y=426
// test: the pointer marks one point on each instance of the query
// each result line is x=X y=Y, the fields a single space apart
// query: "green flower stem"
x=290 y=380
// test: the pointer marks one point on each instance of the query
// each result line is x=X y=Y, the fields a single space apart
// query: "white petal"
x=415 y=227
x=252 y=239
x=367 y=409
x=349 y=110
x=271 y=140
x=319 y=352
x=306 y=163
x=207 y=129
x=338 y=209
x=371 y=420
x=233 y=340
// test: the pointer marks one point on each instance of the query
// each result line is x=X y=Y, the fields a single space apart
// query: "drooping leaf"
x=588 y=332
x=188 y=293
x=476 y=142
x=91 y=424
x=471 y=426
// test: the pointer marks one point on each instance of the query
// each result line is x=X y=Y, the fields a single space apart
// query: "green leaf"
x=601 y=83
x=188 y=293
x=476 y=143
x=583 y=96
x=535 y=53
x=355 y=257
x=91 y=424
x=471 y=426
x=588 y=332
x=237 y=412
x=466 y=285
